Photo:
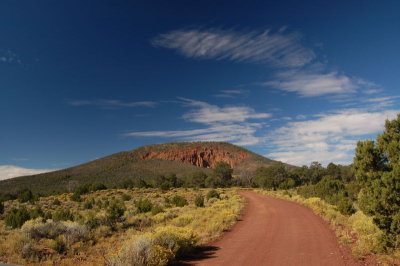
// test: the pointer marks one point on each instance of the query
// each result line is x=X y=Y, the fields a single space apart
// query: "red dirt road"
x=277 y=232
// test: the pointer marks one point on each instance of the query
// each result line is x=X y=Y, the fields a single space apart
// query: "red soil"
x=276 y=232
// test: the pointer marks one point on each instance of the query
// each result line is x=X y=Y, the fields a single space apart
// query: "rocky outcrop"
x=201 y=156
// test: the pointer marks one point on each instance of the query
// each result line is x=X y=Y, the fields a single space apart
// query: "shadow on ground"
x=199 y=254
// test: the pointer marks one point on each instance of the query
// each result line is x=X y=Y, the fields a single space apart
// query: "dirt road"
x=276 y=232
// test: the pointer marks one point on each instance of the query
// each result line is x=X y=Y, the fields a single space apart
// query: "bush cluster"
x=179 y=201
x=64 y=233
x=158 y=248
x=212 y=194
x=63 y=215
x=199 y=201
x=143 y=205
x=15 y=218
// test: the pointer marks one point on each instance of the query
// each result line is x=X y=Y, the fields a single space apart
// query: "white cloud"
x=327 y=138
x=372 y=91
x=231 y=93
x=239 y=134
x=276 y=48
x=112 y=103
x=301 y=117
x=10 y=171
x=207 y=113
x=218 y=124
x=310 y=83
x=381 y=102
x=8 y=56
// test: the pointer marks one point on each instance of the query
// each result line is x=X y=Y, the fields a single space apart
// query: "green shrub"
x=91 y=221
x=126 y=197
x=57 y=202
x=63 y=215
x=212 y=194
x=1 y=207
x=116 y=210
x=165 y=186
x=48 y=215
x=345 y=206
x=89 y=203
x=179 y=201
x=15 y=218
x=143 y=205
x=212 y=181
x=97 y=186
x=197 y=179
x=83 y=189
x=126 y=183
x=155 y=209
x=59 y=245
x=76 y=197
x=140 y=183
x=199 y=201
x=25 y=196
x=36 y=212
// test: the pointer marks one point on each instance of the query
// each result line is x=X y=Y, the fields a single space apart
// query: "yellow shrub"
x=177 y=239
x=156 y=248
x=369 y=235
x=183 y=220
x=103 y=231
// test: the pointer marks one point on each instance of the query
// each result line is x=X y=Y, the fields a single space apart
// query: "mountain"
x=182 y=158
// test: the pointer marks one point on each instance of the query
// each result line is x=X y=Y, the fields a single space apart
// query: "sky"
x=296 y=81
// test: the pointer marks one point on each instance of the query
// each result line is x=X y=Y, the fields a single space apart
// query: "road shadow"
x=199 y=254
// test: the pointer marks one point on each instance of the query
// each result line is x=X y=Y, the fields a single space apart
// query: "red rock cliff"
x=201 y=157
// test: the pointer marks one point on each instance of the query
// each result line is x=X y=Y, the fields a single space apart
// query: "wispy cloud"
x=10 y=171
x=107 y=103
x=379 y=103
x=240 y=134
x=313 y=82
x=206 y=113
x=296 y=67
x=231 y=93
x=8 y=56
x=327 y=137
x=229 y=123
x=279 y=49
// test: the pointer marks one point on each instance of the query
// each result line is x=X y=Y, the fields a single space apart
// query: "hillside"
x=145 y=162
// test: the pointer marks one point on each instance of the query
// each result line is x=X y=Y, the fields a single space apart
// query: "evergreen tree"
x=377 y=167
x=223 y=172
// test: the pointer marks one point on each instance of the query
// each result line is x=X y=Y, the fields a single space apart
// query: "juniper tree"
x=377 y=167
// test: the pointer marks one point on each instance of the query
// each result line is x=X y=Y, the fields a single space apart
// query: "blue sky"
x=296 y=81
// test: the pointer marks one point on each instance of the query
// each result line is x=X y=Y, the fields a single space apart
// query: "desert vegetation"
x=139 y=226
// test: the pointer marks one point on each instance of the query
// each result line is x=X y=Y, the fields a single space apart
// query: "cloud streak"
x=206 y=113
x=10 y=171
x=231 y=93
x=313 y=83
x=327 y=138
x=278 y=49
x=107 y=103
x=297 y=71
x=229 y=123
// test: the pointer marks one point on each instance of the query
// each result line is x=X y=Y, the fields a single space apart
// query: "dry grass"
x=93 y=238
